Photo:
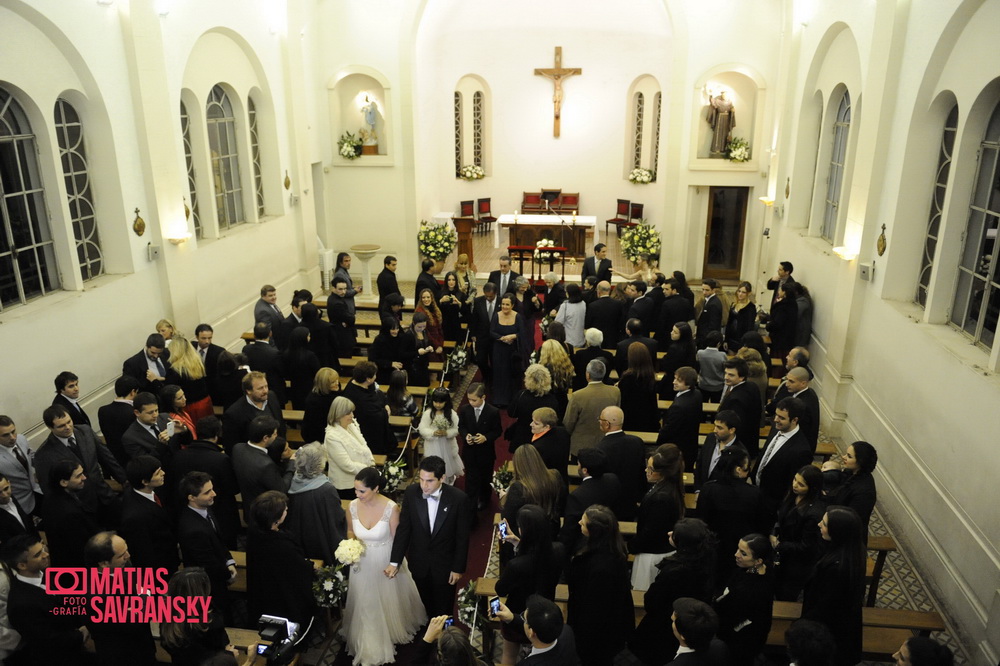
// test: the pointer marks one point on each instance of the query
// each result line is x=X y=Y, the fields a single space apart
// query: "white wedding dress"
x=381 y=612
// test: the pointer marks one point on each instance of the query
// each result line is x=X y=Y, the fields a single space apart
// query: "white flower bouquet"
x=468 y=608
x=436 y=241
x=738 y=149
x=440 y=423
x=502 y=478
x=639 y=240
x=330 y=586
x=349 y=551
x=471 y=172
x=458 y=358
x=641 y=176
x=347 y=146
x=540 y=255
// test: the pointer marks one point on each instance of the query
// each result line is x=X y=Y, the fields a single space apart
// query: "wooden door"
x=727 y=213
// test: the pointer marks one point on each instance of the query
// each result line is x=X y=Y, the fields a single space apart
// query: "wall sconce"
x=162 y=7
x=767 y=201
x=177 y=240
x=845 y=253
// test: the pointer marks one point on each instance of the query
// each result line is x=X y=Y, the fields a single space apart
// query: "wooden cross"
x=557 y=74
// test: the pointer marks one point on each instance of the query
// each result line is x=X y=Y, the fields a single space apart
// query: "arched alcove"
x=742 y=91
x=356 y=96
x=644 y=114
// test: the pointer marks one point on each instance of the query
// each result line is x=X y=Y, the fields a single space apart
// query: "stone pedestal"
x=365 y=253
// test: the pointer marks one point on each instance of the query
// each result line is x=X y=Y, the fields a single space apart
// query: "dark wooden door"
x=727 y=213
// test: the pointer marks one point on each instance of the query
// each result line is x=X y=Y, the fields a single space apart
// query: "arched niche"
x=745 y=89
x=349 y=93
x=644 y=112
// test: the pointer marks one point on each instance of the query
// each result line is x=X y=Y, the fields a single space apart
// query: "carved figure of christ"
x=557 y=74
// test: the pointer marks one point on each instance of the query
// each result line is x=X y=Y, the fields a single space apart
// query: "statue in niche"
x=722 y=118
x=370 y=113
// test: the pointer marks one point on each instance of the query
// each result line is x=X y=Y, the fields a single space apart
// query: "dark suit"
x=138 y=440
x=601 y=272
x=433 y=555
x=479 y=458
x=9 y=525
x=495 y=279
x=674 y=309
x=563 y=654
x=627 y=459
x=621 y=351
x=201 y=546
x=480 y=330
x=605 y=490
x=68 y=526
x=709 y=320
x=149 y=531
x=257 y=473
x=115 y=418
x=369 y=411
x=237 y=417
x=75 y=410
x=703 y=470
x=343 y=322
x=426 y=281
x=745 y=400
x=776 y=476
x=608 y=315
x=716 y=654
x=211 y=361
x=262 y=357
x=810 y=421
x=553 y=446
x=584 y=356
x=682 y=423
x=642 y=309
x=96 y=456
x=387 y=284
x=203 y=456
x=48 y=638
x=136 y=366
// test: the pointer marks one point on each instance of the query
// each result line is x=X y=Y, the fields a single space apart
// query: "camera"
x=494 y=606
x=282 y=634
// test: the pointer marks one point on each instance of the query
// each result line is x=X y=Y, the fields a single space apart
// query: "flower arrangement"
x=436 y=241
x=349 y=551
x=640 y=239
x=468 y=608
x=641 y=176
x=738 y=149
x=540 y=255
x=471 y=172
x=392 y=475
x=440 y=423
x=347 y=145
x=330 y=586
x=458 y=359
x=502 y=478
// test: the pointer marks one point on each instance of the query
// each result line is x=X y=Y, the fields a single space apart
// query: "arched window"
x=637 y=130
x=472 y=124
x=76 y=174
x=658 y=109
x=189 y=165
x=937 y=205
x=258 y=179
x=225 y=159
x=458 y=133
x=27 y=259
x=477 y=128
x=977 y=295
x=838 y=158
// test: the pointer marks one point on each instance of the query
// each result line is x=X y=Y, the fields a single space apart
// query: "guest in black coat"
x=146 y=525
x=730 y=506
x=264 y=357
x=300 y=366
x=370 y=409
x=660 y=509
x=594 y=338
x=68 y=395
x=453 y=308
x=687 y=572
x=674 y=308
x=386 y=280
x=537 y=393
x=200 y=539
x=231 y=368
x=742 y=317
x=259 y=400
x=325 y=387
x=279 y=577
x=710 y=318
x=783 y=320
x=115 y=417
x=478 y=430
x=746 y=603
x=695 y=625
x=484 y=308
x=68 y=524
x=681 y=353
x=796 y=538
x=14 y=519
x=851 y=483
x=426 y=280
x=606 y=314
x=744 y=398
x=600 y=608
x=391 y=350
x=552 y=641
x=555 y=293
x=682 y=422
x=322 y=340
x=551 y=440
x=206 y=455
x=835 y=592
x=597 y=486
x=638 y=389
x=626 y=460
x=316 y=518
x=634 y=333
x=535 y=569
x=139 y=366
x=598 y=266
x=341 y=314
x=190 y=643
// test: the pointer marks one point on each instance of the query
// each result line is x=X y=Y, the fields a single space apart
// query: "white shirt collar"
x=254 y=405
x=38 y=582
x=536 y=650
x=680 y=393
x=613 y=432
x=75 y=401
x=201 y=512
x=683 y=649
x=150 y=496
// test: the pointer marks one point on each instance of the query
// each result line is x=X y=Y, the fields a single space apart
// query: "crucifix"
x=557 y=74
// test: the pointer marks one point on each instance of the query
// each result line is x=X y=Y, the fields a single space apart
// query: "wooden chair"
x=552 y=196
x=468 y=210
x=634 y=217
x=569 y=202
x=620 y=218
x=531 y=202
x=486 y=218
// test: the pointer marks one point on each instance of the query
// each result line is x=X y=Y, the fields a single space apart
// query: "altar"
x=566 y=230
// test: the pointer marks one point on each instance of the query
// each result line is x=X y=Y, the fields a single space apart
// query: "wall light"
x=162 y=7
x=177 y=240
x=846 y=253
x=767 y=201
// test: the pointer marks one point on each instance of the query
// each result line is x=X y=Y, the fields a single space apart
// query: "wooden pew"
x=240 y=584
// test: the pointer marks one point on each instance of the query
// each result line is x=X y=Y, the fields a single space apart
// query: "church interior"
x=166 y=158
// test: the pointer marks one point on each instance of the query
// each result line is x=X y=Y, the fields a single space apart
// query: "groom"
x=433 y=534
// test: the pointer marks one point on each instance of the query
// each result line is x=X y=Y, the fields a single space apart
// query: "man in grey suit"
x=16 y=463
x=266 y=309
x=148 y=434
x=67 y=441
x=255 y=471
x=584 y=410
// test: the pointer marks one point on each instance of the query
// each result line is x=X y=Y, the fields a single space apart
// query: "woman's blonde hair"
x=323 y=379
x=554 y=357
x=538 y=379
x=166 y=323
x=184 y=359
x=755 y=364
x=340 y=408
x=541 y=484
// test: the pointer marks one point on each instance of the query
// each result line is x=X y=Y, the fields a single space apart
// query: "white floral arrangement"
x=392 y=475
x=471 y=172
x=502 y=478
x=330 y=587
x=368 y=137
x=436 y=241
x=468 y=607
x=347 y=145
x=738 y=149
x=639 y=240
x=641 y=176
x=459 y=358
x=540 y=255
x=440 y=423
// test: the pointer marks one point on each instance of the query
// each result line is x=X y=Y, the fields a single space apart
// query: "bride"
x=380 y=611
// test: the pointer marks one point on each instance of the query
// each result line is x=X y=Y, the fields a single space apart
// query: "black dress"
x=799 y=545
x=658 y=512
x=731 y=509
x=200 y=645
x=639 y=404
x=781 y=327
x=745 y=607
x=300 y=370
x=600 y=608
x=526 y=575
x=740 y=322
x=386 y=349
x=453 y=313
x=830 y=598
x=314 y=420
x=507 y=359
x=418 y=370
x=857 y=491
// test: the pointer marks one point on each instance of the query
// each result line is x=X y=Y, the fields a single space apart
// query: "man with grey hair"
x=315 y=515
x=583 y=413
x=555 y=293
x=607 y=314
x=504 y=277
x=626 y=458
x=582 y=357
x=796 y=385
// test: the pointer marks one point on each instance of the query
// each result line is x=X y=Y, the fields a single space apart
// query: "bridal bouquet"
x=330 y=586
x=502 y=478
x=349 y=551
x=641 y=176
x=458 y=358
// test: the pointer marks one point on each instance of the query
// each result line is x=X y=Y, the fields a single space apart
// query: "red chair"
x=621 y=217
x=486 y=218
x=634 y=218
x=531 y=203
x=569 y=202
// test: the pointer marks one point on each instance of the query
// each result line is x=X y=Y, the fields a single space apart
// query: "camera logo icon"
x=66 y=580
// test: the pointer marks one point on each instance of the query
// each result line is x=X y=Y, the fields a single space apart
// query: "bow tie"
x=433 y=496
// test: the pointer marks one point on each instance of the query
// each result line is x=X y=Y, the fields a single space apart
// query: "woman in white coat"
x=346 y=447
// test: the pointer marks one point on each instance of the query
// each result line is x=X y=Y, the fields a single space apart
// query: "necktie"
x=74 y=448
x=276 y=309
x=479 y=412
x=768 y=453
x=211 y=521
x=725 y=392
x=156 y=498
x=489 y=309
x=503 y=284
x=21 y=459
x=159 y=368
x=203 y=354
